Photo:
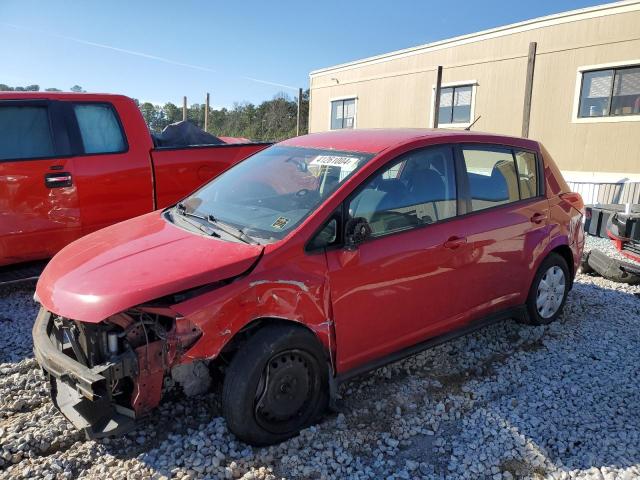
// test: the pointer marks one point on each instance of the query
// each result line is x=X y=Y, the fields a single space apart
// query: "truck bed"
x=178 y=171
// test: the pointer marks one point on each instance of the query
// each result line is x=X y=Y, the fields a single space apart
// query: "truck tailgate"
x=180 y=171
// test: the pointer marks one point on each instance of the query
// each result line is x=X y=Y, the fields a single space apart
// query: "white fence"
x=596 y=192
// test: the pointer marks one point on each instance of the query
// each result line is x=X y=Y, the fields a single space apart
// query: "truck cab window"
x=25 y=133
x=99 y=128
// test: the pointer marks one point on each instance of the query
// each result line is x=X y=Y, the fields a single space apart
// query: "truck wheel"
x=548 y=291
x=276 y=384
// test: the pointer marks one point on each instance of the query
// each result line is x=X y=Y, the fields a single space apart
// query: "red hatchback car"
x=312 y=261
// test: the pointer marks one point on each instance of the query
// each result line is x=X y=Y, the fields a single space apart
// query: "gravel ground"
x=508 y=402
x=605 y=245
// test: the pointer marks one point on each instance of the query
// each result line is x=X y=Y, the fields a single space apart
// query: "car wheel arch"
x=322 y=334
x=565 y=252
x=561 y=247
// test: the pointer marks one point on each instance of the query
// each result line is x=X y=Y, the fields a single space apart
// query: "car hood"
x=134 y=262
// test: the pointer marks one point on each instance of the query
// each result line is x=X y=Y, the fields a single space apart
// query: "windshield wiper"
x=231 y=230
x=225 y=227
x=182 y=210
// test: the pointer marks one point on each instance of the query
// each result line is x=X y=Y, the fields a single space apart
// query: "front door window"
x=418 y=189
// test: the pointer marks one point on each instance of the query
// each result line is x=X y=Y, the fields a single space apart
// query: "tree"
x=28 y=88
x=272 y=120
x=172 y=113
x=77 y=89
x=52 y=90
x=304 y=112
x=195 y=114
x=150 y=114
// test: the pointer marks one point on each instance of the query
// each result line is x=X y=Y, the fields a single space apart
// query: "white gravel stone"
x=605 y=245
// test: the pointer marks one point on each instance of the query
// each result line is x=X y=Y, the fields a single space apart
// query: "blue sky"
x=238 y=51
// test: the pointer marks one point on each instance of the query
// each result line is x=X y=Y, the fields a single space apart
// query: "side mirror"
x=357 y=231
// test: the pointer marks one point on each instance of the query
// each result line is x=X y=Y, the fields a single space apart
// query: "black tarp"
x=184 y=134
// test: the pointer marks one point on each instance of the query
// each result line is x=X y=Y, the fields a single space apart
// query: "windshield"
x=271 y=192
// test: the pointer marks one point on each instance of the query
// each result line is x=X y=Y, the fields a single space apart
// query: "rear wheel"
x=549 y=291
x=275 y=385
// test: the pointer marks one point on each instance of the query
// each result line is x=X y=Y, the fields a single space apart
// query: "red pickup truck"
x=72 y=163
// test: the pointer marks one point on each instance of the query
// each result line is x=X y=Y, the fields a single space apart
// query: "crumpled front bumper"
x=81 y=393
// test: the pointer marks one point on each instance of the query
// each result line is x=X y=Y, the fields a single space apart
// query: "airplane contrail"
x=143 y=55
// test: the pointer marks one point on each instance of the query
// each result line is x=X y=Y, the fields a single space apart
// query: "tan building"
x=584 y=69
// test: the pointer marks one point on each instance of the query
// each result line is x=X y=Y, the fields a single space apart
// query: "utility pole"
x=299 y=107
x=528 y=89
x=436 y=107
x=206 y=114
x=184 y=108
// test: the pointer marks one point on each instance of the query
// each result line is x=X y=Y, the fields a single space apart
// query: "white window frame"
x=472 y=115
x=355 y=116
x=578 y=87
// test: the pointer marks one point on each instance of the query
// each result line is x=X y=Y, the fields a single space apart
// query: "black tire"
x=276 y=385
x=534 y=315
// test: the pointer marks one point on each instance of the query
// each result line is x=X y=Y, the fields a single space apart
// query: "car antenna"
x=473 y=123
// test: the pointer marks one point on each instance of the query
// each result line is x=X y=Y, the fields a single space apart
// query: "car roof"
x=378 y=139
x=13 y=95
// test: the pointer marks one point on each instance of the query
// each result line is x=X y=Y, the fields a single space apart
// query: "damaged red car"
x=314 y=260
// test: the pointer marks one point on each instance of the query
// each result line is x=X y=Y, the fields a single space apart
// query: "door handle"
x=538 y=217
x=58 y=180
x=455 y=242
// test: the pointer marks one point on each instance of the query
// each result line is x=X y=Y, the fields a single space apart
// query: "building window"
x=455 y=105
x=611 y=92
x=343 y=113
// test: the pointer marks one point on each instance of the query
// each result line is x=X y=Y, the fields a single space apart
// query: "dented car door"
x=38 y=197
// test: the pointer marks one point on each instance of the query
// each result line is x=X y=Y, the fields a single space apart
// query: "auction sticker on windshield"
x=348 y=163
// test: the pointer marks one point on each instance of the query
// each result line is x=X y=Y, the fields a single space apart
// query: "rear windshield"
x=270 y=193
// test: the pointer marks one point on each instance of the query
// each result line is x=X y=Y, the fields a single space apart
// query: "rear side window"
x=527 y=174
x=99 y=128
x=25 y=133
x=492 y=177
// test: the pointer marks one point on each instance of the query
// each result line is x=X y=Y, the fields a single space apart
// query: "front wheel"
x=276 y=385
x=549 y=291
